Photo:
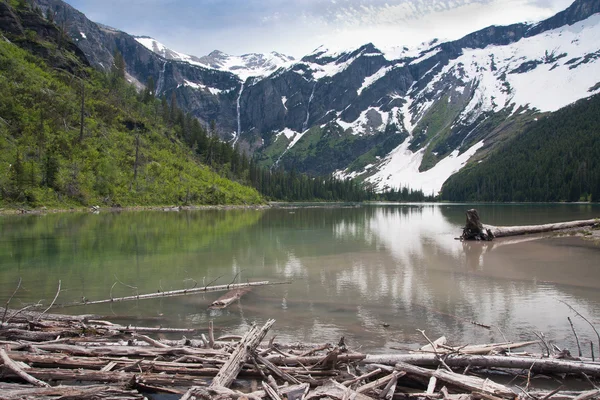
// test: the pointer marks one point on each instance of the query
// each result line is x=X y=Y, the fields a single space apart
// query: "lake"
x=372 y=273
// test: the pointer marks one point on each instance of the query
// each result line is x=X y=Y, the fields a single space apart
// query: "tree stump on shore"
x=474 y=229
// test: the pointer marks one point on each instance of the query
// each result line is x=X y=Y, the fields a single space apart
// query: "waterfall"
x=161 y=80
x=312 y=94
x=239 y=117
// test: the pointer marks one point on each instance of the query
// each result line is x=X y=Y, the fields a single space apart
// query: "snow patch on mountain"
x=401 y=168
x=369 y=80
x=369 y=121
x=199 y=86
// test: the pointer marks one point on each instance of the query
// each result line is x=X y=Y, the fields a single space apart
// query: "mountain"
x=555 y=159
x=392 y=117
x=71 y=136
x=244 y=66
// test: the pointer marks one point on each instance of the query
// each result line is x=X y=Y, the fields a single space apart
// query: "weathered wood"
x=119 y=377
x=139 y=351
x=380 y=382
x=277 y=371
x=228 y=298
x=151 y=341
x=334 y=390
x=271 y=393
x=539 y=365
x=244 y=349
x=362 y=377
x=11 y=365
x=470 y=383
x=504 y=231
x=96 y=392
x=477 y=348
x=592 y=394
x=283 y=360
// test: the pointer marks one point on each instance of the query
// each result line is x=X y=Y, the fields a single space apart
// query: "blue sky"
x=296 y=27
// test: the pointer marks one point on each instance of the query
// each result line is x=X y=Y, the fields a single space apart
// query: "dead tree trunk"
x=474 y=229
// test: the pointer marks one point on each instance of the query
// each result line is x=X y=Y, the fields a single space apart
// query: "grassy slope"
x=43 y=161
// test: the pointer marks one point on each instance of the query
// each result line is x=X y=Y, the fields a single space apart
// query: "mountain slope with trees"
x=71 y=136
x=554 y=159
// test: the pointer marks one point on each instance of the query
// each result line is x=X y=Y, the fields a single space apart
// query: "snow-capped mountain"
x=244 y=66
x=398 y=116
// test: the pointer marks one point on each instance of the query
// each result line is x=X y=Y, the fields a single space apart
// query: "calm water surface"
x=353 y=270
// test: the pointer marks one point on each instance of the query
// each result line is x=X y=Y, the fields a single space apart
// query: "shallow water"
x=354 y=269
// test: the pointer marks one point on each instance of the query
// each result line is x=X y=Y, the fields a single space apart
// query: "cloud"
x=298 y=26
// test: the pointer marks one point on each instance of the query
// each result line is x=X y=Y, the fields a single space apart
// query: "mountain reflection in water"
x=354 y=270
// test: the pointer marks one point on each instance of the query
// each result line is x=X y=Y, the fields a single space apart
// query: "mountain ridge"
x=388 y=117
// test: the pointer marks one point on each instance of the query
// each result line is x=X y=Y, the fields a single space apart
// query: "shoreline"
x=165 y=208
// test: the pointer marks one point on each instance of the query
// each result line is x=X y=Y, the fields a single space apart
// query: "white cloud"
x=298 y=26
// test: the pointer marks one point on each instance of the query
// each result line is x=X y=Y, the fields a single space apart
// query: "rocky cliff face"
x=390 y=116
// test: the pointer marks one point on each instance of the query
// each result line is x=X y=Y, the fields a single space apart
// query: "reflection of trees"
x=143 y=248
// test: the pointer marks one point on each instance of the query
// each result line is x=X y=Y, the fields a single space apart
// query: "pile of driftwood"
x=49 y=356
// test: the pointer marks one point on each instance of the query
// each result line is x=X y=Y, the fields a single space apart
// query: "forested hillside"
x=72 y=136
x=555 y=159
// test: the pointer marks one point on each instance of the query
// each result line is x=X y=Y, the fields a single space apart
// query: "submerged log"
x=228 y=298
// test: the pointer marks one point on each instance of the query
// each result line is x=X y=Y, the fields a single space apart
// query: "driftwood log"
x=542 y=365
x=475 y=230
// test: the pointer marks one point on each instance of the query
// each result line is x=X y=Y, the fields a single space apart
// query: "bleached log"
x=230 y=370
x=538 y=365
x=504 y=231
x=465 y=382
x=380 y=382
x=244 y=349
x=477 y=348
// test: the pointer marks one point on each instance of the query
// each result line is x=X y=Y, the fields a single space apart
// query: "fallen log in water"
x=475 y=230
x=172 y=293
x=228 y=298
